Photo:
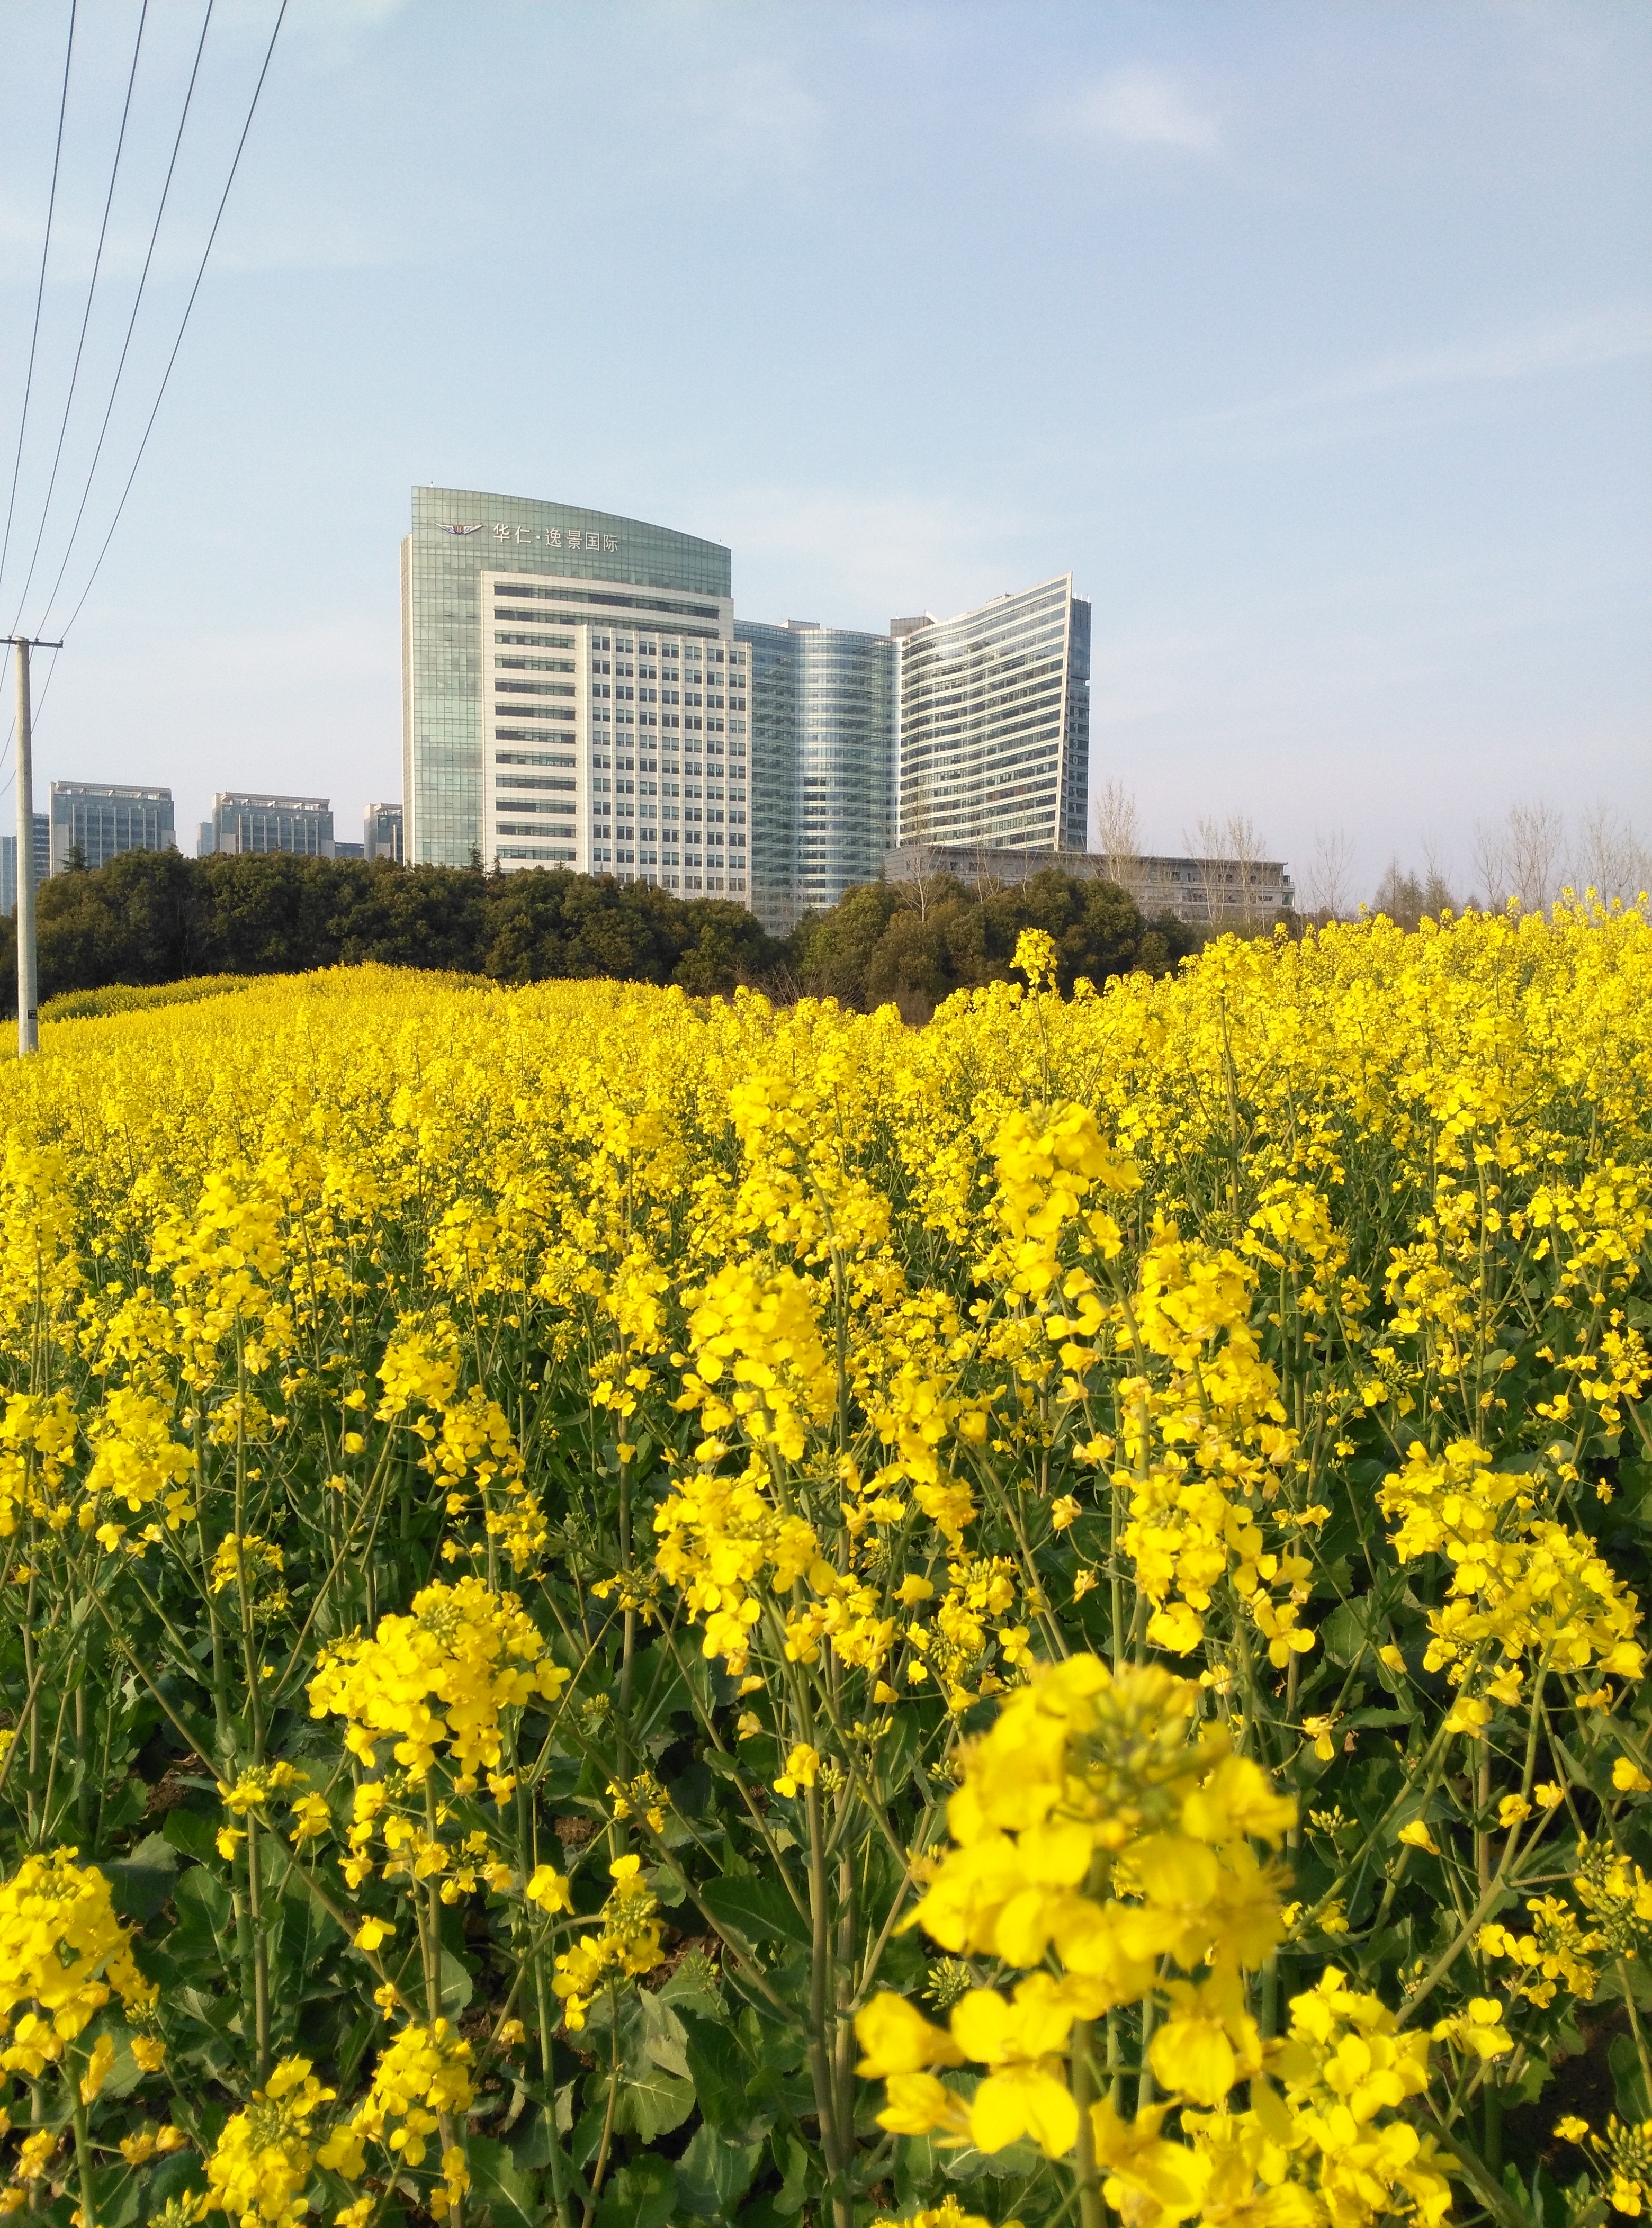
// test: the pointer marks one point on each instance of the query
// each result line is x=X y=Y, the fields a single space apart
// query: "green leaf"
x=756 y=1911
x=722 y=2073
x=792 y=2160
x=1633 y=2103
x=205 y=1921
x=640 y=2195
x=650 y=2103
x=1346 y=1633
x=663 y=2035
x=712 y=2176
x=140 y=1883
x=456 y=1988
x=510 y=2193
x=189 y=1831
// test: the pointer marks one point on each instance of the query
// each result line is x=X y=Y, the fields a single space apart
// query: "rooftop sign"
x=550 y=537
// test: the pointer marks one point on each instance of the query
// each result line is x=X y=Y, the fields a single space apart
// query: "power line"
x=85 y=320
x=183 y=326
x=132 y=322
x=40 y=290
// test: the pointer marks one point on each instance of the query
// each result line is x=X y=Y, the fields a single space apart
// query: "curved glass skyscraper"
x=573 y=695
x=994 y=724
x=824 y=755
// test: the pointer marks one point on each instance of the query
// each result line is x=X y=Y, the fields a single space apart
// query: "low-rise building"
x=381 y=832
x=1202 y=891
x=98 y=820
x=244 y=821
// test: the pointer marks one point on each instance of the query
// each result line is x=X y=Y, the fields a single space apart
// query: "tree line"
x=155 y=916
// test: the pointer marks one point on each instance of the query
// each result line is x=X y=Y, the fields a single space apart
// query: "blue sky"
x=1315 y=341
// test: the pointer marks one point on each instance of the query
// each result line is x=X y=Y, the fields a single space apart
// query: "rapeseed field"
x=620 y=1610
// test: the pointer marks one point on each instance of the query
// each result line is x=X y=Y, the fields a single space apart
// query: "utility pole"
x=28 y=986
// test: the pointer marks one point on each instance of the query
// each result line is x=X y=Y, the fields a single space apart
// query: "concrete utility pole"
x=28 y=989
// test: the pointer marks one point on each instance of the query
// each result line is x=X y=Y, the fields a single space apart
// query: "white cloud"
x=328 y=35
x=851 y=559
x=1349 y=404
x=754 y=114
x=1611 y=335
x=1140 y=107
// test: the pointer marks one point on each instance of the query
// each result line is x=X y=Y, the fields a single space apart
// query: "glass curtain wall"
x=824 y=762
x=457 y=536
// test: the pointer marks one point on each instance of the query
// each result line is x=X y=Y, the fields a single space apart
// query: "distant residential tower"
x=994 y=724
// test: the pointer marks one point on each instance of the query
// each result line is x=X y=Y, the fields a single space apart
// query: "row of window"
x=607 y=598
x=622 y=646
x=601 y=810
x=620 y=786
x=623 y=692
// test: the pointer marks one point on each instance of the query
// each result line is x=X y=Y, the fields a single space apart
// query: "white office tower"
x=574 y=695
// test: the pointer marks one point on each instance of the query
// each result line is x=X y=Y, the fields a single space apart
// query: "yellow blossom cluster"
x=1522 y=1581
x=873 y=1422
x=438 y=1678
x=627 y=1946
x=261 y=2162
x=63 y=1954
x=421 y=2081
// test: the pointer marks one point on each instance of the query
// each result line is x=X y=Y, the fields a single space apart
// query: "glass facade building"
x=42 y=848
x=573 y=695
x=243 y=821
x=101 y=819
x=381 y=832
x=822 y=764
x=994 y=724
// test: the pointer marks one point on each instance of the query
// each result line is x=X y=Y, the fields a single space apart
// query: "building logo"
x=476 y=528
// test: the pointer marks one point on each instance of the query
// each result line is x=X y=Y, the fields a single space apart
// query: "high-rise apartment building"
x=822 y=764
x=381 y=832
x=994 y=724
x=42 y=850
x=244 y=820
x=101 y=819
x=573 y=695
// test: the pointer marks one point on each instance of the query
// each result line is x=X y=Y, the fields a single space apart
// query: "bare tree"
x=920 y=869
x=1247 y=848
x=1537 y=836
x=1491 y=868
x=1330 y=878
x=1608 y=857
x=1118 y=834
x=1408 y=899
x=1229 y=854
x=1437 y=888
x=1400 y=896
x=1207 y=846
